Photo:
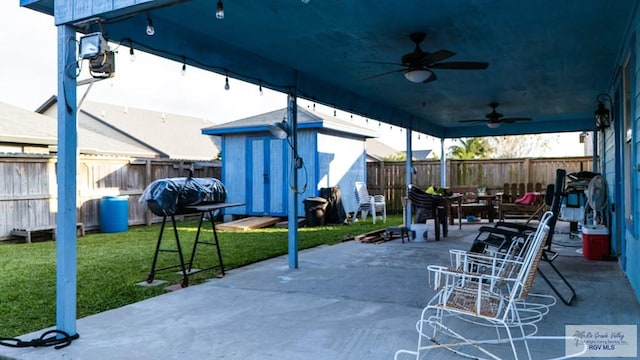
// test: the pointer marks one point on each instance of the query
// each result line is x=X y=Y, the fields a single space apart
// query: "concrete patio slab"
x=347 y=301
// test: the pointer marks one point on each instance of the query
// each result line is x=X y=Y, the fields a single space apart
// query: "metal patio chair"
x=466 y=297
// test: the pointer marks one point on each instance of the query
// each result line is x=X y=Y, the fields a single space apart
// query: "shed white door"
x=266 y=185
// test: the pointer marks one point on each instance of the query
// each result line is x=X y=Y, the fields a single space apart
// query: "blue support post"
x=66 y=256
x=409 y=177
x=443 y=165
x=292 y=115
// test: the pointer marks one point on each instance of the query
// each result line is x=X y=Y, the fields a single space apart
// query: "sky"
x=28 y=68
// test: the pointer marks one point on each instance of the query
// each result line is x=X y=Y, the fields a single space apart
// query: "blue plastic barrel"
x=114 y=214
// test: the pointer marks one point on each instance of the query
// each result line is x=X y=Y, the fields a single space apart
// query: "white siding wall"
x=341 y=162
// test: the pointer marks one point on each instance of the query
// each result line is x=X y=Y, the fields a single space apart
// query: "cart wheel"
x=185 y=282
x=150 y=278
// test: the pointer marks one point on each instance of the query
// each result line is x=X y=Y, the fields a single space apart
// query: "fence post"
x=527 y=171
x=147 y=181
x=380 y=178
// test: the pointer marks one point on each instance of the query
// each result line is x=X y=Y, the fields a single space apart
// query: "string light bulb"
x=260 y=89
x=220 y=10
x=132 y=54
x=334 y=112
x=150 y=29
x=184 y=67
x=226 y=83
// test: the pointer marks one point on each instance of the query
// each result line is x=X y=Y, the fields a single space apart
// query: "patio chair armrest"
x=378 y=198
x=498 y=265
x=501 y=231
x=520 y=228
x=460 y=257
x=442 y=276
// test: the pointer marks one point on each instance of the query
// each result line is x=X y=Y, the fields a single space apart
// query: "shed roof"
x=306 y=120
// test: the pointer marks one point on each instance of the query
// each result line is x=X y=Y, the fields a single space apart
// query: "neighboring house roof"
x=306 y=120
x=166 y=135
x=24 y=127
x=377 y=150
x=179 y=137
x=420 y=154
x=28 y=127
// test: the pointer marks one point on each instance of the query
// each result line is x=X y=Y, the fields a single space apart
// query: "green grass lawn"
x=110 y=265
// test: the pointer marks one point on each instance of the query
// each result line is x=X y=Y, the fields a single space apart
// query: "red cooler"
x=595 y=242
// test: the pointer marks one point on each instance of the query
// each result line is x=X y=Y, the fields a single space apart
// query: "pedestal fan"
x=597 y=200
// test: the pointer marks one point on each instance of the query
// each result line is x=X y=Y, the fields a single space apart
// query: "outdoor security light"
x=280 y=130
x=92 y=46
x=103 y=66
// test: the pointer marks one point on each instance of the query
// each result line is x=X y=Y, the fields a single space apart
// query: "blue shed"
x=256 y=168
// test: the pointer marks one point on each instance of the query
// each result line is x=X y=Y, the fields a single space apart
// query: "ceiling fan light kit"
x=417 y=75
x=493 y=125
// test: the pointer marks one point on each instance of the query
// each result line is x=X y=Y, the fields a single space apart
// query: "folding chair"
x=499 y=238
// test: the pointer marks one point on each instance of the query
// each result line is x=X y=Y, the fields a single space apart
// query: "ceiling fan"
x=417 y=65
x=494 y=118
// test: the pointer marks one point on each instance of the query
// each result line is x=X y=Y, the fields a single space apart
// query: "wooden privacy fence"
x=389 y=178
x=28 y=190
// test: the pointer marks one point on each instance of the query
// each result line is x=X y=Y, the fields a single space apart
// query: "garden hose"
x=56 y=338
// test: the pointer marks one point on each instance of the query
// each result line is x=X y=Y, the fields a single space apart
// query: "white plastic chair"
x=486 y=291
x=366 y=203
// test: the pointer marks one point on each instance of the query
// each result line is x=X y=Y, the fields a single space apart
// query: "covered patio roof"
x=547 y=60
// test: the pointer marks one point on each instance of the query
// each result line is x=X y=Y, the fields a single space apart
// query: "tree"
x=519 y=146
x=470 y=148
x=399 y=156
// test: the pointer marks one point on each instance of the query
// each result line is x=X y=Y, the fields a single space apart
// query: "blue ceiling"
x=548 y=59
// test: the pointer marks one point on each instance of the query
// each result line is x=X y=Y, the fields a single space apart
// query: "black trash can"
x=315 y=208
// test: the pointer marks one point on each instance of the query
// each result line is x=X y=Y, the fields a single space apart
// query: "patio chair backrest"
x=421 y=199
x=531 y=257
x=361 y=192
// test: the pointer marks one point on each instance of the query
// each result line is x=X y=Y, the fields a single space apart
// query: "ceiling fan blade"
x=461 y=65
x=513 y=119
x=472 y=120
x=383 y=63
x=437 y=56
x=384 y=73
